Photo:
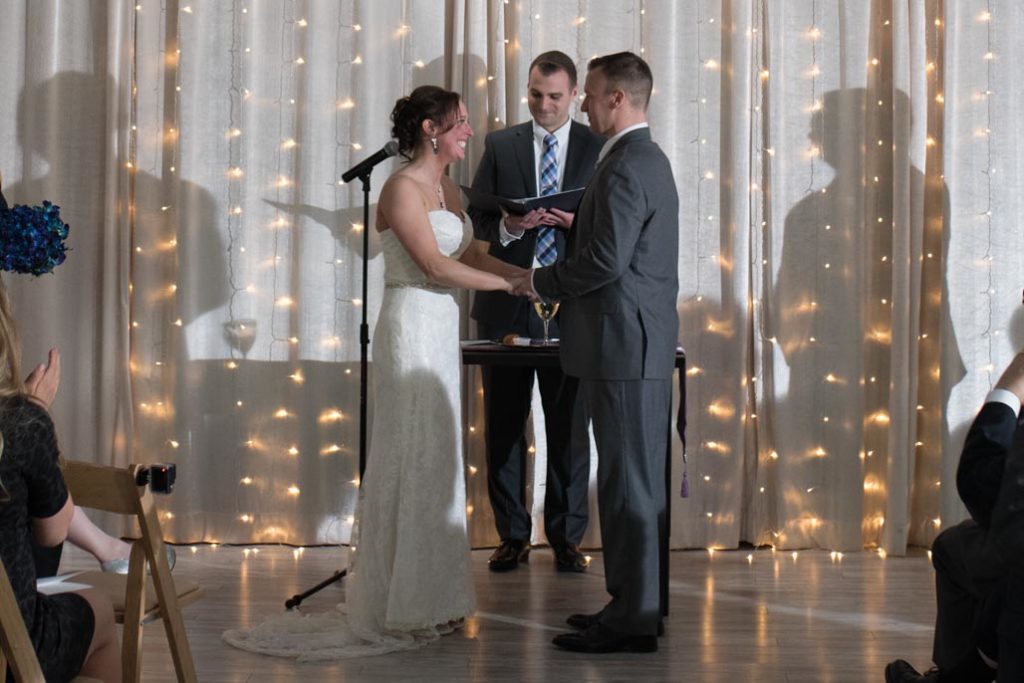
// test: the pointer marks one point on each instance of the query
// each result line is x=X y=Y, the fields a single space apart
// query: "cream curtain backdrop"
x=849 y=269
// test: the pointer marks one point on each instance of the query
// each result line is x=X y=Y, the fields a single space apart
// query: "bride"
x=409 y=578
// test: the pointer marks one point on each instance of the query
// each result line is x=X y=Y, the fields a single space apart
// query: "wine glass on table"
x=546 y=310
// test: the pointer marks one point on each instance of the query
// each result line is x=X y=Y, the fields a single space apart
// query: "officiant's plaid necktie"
x=545 y=251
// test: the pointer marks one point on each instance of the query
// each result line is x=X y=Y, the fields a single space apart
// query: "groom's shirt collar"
x=615 y=138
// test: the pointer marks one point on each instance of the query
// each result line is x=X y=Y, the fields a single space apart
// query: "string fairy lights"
x=986 y=215
x=698 y=226
x=264 y=159
x=159 y=380
x=929 y=420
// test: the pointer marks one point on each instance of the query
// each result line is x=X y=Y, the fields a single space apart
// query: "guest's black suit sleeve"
x=983 y=462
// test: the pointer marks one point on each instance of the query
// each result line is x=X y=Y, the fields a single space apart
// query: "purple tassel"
x=684 y=489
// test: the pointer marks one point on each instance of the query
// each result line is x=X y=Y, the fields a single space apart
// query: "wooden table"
x=493 y=353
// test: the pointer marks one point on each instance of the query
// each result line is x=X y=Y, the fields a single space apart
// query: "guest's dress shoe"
x=568 y=558
x=508 y=555
x=581 y=622
x=600 y=639
x=900 y=671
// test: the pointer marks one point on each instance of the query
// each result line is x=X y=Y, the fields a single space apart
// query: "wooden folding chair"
x=137 y=599
x=15 y=645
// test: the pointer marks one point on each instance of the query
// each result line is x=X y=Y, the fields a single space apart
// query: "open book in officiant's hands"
x=566 y=201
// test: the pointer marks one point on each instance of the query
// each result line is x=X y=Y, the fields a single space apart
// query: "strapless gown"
x=409 y=576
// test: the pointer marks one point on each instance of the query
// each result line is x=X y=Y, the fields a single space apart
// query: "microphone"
x=364 y=166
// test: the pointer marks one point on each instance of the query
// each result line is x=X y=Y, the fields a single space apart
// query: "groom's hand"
x=523 y=285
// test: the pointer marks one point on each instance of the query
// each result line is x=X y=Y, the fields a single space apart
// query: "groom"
x=619 y=326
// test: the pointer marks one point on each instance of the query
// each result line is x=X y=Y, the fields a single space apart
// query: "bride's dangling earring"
x=433 y=145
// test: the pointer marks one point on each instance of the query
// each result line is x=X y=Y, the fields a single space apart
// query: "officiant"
x=549 y=154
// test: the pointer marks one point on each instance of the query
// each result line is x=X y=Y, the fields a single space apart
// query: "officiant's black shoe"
x=568 y=558
x=581 y=622
x=599 y=639
x=508 y=555
x=900 y=671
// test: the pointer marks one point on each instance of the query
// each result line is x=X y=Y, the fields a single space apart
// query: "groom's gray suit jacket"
x=619 y=284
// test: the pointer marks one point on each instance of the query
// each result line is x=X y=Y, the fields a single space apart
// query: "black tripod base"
x=296 y=600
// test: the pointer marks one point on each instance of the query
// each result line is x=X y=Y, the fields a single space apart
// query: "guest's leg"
x=104 y=658
x=629 y=421
x=89 y=537
x=966 y=570
x=568 y=459
x=1011 y=630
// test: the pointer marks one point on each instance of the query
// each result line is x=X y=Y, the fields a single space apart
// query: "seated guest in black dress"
x=41 y=384
x=73 y=633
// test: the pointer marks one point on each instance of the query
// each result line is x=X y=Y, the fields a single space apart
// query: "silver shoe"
x=119 y=565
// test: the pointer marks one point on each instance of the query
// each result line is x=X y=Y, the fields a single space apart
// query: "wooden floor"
x=773 y=617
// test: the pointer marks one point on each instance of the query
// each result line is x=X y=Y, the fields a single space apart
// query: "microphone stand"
x=364 y=345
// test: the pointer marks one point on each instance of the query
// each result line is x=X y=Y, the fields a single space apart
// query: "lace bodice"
x=453 y=237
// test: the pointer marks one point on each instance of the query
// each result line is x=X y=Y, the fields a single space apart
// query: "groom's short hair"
x=629 y=73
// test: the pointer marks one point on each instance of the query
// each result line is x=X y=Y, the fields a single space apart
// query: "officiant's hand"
x=518 y=224
x=559 y=218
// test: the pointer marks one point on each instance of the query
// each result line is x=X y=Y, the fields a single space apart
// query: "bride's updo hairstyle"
x=427 y=102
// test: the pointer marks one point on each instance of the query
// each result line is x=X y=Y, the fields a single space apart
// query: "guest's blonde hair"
x=11 y=383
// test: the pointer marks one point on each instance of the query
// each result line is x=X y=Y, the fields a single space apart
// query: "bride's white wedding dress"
x=409 y=576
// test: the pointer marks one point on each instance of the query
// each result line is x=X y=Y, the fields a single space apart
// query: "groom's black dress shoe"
x=508 y=555
x=582 y=622
x=568 y=558
x=900 y=671
x=600 y=639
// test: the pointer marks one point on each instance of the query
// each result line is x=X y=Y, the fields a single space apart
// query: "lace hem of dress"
x=327 y=636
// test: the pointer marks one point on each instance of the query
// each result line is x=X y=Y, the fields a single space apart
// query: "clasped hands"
x=520 y=283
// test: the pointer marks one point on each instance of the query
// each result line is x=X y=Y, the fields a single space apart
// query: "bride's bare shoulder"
x=399 y=181
x=401 y=197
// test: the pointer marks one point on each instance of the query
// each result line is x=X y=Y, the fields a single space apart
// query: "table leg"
x=665 y=525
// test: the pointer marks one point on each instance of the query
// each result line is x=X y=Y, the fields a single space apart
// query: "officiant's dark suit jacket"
x=618 y=289
x=509 y=169
x=990 y=481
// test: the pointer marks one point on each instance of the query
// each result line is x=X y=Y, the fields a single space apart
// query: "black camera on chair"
x=159 y=477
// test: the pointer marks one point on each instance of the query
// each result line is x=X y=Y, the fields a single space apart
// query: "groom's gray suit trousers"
x=631 y=424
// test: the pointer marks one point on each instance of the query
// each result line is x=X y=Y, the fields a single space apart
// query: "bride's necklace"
x=440 y=198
